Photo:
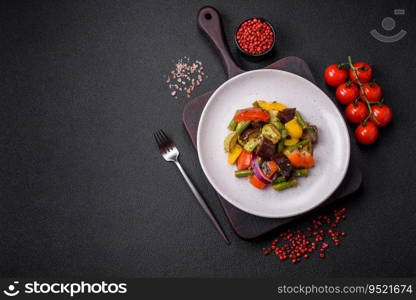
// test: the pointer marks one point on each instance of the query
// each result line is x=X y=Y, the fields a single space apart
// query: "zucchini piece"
x=270 y=132
x=252 y=143
x=241 y=126
x=230 y=141
x=278 y=125
x=273 y=115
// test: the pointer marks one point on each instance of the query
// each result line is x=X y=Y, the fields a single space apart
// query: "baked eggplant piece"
x=310 y=133
x=286 y=115
x=285 y=166
x=266 y=149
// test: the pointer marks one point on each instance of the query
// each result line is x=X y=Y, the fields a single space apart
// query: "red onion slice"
x=258 y=173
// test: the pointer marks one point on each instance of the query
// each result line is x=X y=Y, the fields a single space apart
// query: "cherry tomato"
x=346 y=93
x=366 y=134
x=334 y=76
x=356 y=112
x=252 y=114
x=364 y=72
x=382 y=114
x=244 y=160
x=372 y=91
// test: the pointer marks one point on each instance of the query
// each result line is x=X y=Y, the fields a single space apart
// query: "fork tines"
x=162 y=141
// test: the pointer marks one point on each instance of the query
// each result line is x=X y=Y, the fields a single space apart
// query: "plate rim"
x=256 y=213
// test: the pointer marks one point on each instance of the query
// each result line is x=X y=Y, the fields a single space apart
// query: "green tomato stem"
x=360 y=85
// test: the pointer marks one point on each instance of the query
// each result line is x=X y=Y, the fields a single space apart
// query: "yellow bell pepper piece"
x=234 y=154
x=271 y=105
x=292 y=141
x=294 y=129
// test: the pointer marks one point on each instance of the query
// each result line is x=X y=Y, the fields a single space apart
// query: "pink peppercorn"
x=255 y=36
x=300 y=244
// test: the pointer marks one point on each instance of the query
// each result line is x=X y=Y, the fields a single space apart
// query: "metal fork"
x=170 y=153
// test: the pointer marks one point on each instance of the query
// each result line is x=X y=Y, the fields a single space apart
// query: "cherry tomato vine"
x=362 y=97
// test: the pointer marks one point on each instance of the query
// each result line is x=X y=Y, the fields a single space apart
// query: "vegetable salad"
x=271 y=144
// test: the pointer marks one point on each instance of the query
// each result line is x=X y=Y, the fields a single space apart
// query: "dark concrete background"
x=83 y=190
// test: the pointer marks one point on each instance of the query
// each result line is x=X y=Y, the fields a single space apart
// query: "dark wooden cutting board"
x=245 y=225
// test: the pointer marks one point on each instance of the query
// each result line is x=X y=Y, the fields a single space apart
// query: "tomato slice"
x=256 y=182
x=301 y=159
x=244 y=160
x=252 y=114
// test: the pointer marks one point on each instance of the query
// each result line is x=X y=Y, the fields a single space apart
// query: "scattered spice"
x=255 y=36
x=186 y=76
x=298 y=244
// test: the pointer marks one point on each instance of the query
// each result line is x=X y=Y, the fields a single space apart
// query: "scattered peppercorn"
x=255 y=36
x=186 y=76
x=298 y=244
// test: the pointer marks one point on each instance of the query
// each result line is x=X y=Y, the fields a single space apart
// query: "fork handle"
x=202 y=203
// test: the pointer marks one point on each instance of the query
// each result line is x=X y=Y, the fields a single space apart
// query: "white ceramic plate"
x=332 y=152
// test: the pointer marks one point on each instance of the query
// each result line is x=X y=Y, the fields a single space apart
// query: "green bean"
x=243 y=173
x=232 y=125
x=242 y=126
x=279 y=179
x=281 y=146
x=285 y=185
x=284 y=133
x=297 y=145
x=301 y=121
x=301 y=172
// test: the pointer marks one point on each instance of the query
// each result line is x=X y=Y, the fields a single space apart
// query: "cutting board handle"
x=209 y=21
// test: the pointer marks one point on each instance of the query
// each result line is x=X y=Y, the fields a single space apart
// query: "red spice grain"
x=255 y=36
x=300 y=243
